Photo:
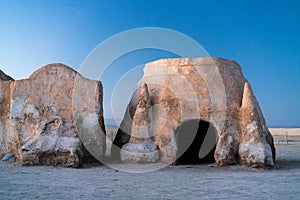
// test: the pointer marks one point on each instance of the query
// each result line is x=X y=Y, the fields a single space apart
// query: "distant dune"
x=283 y=131
x=285 y=135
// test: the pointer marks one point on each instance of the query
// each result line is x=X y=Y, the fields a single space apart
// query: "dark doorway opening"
x=196 y=142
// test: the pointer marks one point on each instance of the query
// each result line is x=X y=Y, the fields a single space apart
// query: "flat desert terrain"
x=204 y=181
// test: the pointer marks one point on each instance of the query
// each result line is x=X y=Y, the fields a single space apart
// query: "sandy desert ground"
x=205 y=181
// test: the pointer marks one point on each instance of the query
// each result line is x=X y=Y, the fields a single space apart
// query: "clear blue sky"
x=262 y=36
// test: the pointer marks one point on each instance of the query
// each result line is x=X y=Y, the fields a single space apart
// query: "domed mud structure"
x=41 y=117
x=187 y=110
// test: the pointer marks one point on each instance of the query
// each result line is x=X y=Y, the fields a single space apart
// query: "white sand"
x=173 y=182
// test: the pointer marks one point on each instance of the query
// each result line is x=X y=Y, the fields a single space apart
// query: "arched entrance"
x=196 y=142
